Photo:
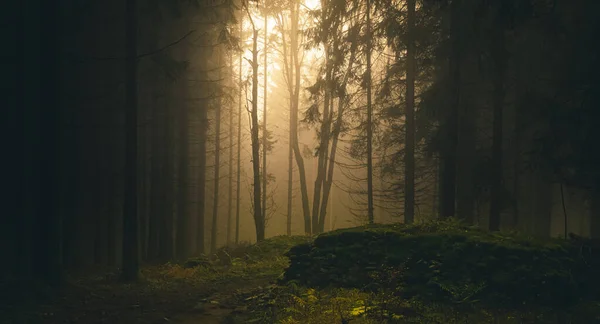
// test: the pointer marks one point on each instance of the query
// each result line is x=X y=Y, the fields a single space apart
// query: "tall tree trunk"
x=168 y=172
x=370 y=208
x=214 y=225
x=448 y=158
x=203 y=127
x=239 y=147
x=130 y=217
x=264 y=135
x=409 y=157
x=258 y=217
x=156 y=182
x=499 y=54
x=323 y=145
x=182 y=249
x=47 y=258
x=290 y=183
x=230 y=164
x=297 y=66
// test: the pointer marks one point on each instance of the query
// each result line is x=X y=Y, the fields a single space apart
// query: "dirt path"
x=219 y=306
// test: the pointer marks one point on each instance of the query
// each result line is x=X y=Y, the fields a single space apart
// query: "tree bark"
x=448 y=157
x=214 y=225
x=369 y=125
x=239 y=147
x=183 y=183
x=258 y=217
x=264 y=135
x=409 y=158
x=130 y=217
x=499 y=55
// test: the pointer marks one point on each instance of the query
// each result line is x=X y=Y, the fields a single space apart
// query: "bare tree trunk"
x=370 y=209
x=499 y=54
x=409 y=157
x=213 y=237
x=203 y=127
x=264 y=135
x=323 y=146
x=230 y=171
x=448 y=158
x=290 y=183
x=183 y=186
x=297 y=65
x=130 y=217
x=239 y=149
x=258 y=217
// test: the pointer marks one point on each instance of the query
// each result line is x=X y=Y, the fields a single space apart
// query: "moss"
x=438 y=259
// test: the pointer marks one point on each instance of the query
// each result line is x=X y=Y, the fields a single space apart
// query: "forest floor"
x=167 y=293
x=241 y=285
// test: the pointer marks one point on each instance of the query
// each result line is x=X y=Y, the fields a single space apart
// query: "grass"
x=164 y=291
x=244 y=284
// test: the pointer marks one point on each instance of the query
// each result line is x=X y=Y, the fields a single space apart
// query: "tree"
x=130 y=216
x=259 y=217
x=265 y=132
x=217 y=166
x=409 y=164
x=370 y=208
x=291 y=41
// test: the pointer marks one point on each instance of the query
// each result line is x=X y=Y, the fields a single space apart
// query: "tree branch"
x=117 y=58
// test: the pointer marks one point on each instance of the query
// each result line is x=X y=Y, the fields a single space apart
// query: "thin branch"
x=116 y=58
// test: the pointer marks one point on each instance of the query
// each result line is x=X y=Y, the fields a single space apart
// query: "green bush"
x=446 y=262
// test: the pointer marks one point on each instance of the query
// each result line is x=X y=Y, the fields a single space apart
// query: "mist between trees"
x=158 y=130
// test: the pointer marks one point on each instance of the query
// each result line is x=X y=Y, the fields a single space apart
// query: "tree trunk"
x=448 y=158
x=264 y=135
x=203 y=127
x=409 y=157
x=258 y=217
x=369 y=125
x=43 y=125
x=499 y=55
x=214 y=225
x=183 y=185
x=230 y=164
x=239 y=147
x=323 y=146
x=130 y=217
x=166 y=214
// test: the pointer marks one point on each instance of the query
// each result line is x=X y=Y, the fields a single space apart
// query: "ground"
x=281 y=280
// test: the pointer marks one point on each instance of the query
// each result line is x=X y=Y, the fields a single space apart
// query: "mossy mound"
x=448 y=262
x=270 y=248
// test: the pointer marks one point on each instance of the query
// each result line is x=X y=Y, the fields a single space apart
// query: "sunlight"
x=312 y=4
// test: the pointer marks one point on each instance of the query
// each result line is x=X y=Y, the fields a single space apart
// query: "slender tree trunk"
x=323 y=146
x=168 y=171
x=230 y=171
x=264 y=135
x=44 y=127
x=239 y=147
x=448 y=158
x=499 y=54
x=370 y=208
x=290 y=184
x=409 y=157
x=258 y=217
x=203 y=127
x=213 y=237
x=183 y=184
x=130 y=217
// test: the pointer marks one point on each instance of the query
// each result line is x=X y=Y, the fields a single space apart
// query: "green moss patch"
x=446 y=262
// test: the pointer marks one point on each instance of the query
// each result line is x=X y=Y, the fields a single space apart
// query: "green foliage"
x=445 y=262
